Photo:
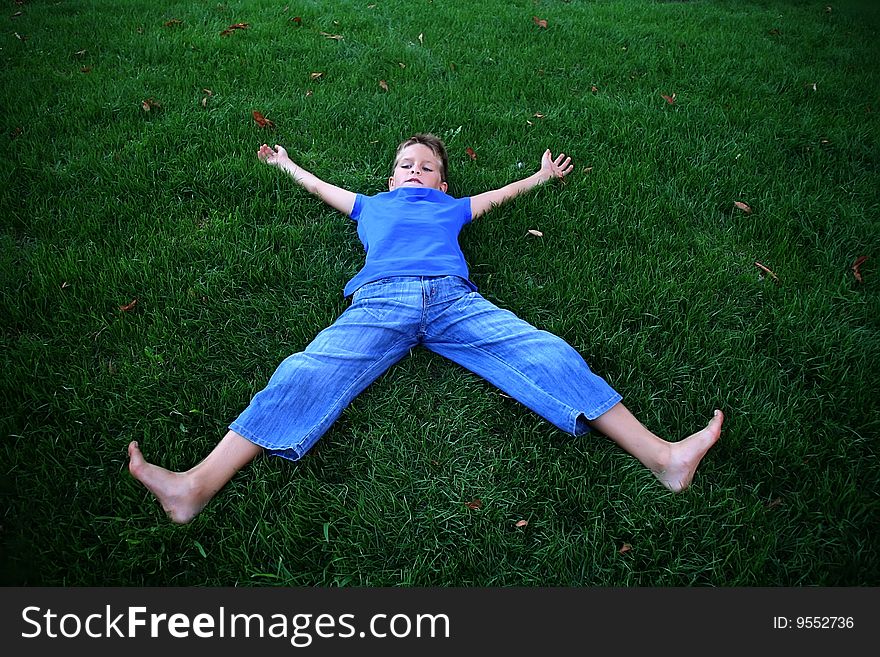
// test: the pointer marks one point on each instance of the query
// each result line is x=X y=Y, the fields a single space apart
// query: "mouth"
x=415 y=180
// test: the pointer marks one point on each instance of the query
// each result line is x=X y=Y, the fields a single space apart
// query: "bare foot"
x=174 y=490
x=686 y=455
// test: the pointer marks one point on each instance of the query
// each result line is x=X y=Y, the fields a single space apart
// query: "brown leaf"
x=588 y=169
x=150 y=104
x=85 y=69
x=536 y=233
x=626 y=547
x=669 y=99
x=474 y=504
x=262 y=121
x=522 y=523
x=128 y=306
x=594 y=88
x=540 y=22
x=538 y=115
x=471 y=153
x=743 y=206
x=767 y=271
x=296 y=20
x=856 y=265
x=205 y=101
x=383 y=84
x=315 y=76
x=173 y=22
x=207 y=92
x=232 y=28
x=335 y=37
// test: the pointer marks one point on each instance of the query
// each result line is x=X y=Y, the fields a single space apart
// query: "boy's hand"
x=555 y=168
x=276 y=157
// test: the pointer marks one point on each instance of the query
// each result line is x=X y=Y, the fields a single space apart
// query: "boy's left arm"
x=551 y=168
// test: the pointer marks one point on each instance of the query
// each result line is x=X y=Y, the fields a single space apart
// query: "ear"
x=390 y=183
x=443 y=187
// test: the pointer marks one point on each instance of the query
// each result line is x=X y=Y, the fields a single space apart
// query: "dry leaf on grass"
x=471 y=153
x=626 y=547
x=232 y=28
x=767 y=271
x=669 y=99
x=855 y=267
x=131 y=304
x=540 y=22
x=474 y=504
x=262 y=121
x=383 y=84
x=522 y=523
x=536 y=233
x=150 y=104
x=743 y=206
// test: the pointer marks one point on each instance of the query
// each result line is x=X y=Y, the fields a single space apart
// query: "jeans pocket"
x=371 y=287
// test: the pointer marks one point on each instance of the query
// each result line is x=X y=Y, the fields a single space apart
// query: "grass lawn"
x=130 y=176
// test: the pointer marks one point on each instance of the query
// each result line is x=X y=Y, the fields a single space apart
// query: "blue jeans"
x=386 y=319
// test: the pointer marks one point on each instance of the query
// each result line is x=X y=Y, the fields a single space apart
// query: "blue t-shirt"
x=410 y=231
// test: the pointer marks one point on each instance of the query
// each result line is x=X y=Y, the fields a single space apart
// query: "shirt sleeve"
x=358 y=206
x=466 y=214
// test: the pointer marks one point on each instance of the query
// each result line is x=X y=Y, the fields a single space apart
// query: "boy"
x=414 y=289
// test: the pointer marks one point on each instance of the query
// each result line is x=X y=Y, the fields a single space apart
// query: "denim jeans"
x=389 y=317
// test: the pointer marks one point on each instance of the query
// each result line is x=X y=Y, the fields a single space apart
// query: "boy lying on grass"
x=414 y=290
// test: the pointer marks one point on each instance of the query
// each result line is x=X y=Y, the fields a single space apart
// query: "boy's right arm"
x=341 y=199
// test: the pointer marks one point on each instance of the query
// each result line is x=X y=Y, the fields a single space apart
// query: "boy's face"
x=417 y=166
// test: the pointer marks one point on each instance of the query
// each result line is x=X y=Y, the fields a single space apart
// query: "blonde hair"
x=431 y=141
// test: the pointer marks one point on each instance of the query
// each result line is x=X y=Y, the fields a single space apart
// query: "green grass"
x=646 y=267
